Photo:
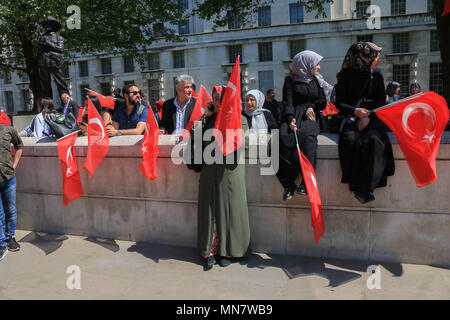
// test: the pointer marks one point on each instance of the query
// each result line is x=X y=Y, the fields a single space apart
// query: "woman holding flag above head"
x=223 y=222
x=365 y=151
x=304 y=97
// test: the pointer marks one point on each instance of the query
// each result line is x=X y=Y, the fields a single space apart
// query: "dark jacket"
x=72 y=108
x=271 y=123
x=169 y=114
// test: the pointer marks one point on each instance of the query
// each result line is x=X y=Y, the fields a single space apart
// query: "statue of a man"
x=52 y=48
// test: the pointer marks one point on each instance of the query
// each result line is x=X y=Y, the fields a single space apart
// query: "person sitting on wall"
x=177 y=111
x=69 y=105
x=130 y=114
x=38 y=127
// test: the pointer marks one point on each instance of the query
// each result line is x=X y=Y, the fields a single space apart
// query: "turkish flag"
x=446 y=8
x=149 y=148
x=330 y=109
x=81 y=112
x=98 y=140
x=4 y=119
x=107 y=102
x=203 y=98
x=309 y=177
x=71 y=176
x=418 y=122
x=228 y=120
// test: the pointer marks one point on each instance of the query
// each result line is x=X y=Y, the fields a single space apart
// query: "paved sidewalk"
x=127 y=270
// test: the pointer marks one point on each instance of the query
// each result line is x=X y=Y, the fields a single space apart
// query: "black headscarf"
x=360 y=56
x=392 y=86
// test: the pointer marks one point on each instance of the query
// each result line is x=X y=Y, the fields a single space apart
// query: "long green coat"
x=222 y=196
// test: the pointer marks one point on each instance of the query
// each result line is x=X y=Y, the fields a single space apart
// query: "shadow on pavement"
x=48 y=243
x=158 y=252
x=109 y=244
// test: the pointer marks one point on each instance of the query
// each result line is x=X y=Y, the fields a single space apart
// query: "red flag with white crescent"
x=446 y=8
x=418 y=123
x=71 y=176
x=81 y=112
x=309 y=177
x=203 y=98
x=98 y=140
x=228 y=120
x=107 y=102
x=149 y=147
x=330 y=109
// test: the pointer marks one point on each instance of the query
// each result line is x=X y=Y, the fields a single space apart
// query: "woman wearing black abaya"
x=365 y=151
x=304 y=98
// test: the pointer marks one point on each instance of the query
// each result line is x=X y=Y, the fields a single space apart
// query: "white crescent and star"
x=98 y=122
x=427 y=111
x=69 y=164
x=314 y=180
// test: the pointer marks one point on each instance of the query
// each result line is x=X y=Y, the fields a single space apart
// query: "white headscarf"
x=259 y=123
x=302 y=64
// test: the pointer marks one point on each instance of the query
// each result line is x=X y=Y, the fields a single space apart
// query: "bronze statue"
x=51 y=63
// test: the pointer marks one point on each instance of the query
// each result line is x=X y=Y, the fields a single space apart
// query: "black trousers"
x=45 y=74
x=289 y=162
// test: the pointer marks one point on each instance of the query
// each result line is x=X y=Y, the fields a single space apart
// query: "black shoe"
x=287 y=194
x=209 y=262
x=224 y=262
x=301 y=190
x=371 y=197
x=12 y=244
x=3 y=252
x=364 y=196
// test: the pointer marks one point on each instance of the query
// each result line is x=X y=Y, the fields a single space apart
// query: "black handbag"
x=62 y=127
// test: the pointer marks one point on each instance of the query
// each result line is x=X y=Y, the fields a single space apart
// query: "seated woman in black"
x=304 y=98
x=259 y=120
x=365 y=151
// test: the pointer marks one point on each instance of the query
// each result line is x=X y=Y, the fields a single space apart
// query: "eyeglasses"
x=136 y=92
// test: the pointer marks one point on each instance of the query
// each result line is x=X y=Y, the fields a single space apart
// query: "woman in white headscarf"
x=259 y=120
x=304 y=95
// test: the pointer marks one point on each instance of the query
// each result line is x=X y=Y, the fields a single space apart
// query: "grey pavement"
x=127 y=270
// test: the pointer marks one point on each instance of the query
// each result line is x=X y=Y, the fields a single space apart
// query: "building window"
x=83 y=68
x=128 y=82
x=436 y=81
x=234 y=52
x=23 y=76
x=9 y=101
x=364 y=38
x=105 y=88
x=234 y=22
x=361 y=8
x=106 y=66
x=128 y=64
x=296 y=13
x=7 y=77
x=401 y=75
x=265 y=80
x=398 y=7
x=400 y=42
x=65 y=70
x=264 y=16
x=296 y=46
x=265 y=51
x=158 y=29
x=153 y=61
x=153 y=91
x=83 y=92
x=183 y=27
x=430 y=6
x=178 y=59
x=26 y=98
x=434 y=41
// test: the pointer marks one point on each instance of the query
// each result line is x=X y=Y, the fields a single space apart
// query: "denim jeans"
x=8 y=212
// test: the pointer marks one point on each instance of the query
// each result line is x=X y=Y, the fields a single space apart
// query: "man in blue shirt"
x=130 y=114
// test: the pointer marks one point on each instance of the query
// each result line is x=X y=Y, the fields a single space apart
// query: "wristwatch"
x=119 y=133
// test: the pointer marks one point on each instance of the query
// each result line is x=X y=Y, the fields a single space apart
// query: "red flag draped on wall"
x=98 y=140
x=107 y=102
x=446 y=8
x=149 y=147
x=309 y=177
x=418 y=123
x=330 y=109
x=71 y=176
x=228 y=119
x=203 y=98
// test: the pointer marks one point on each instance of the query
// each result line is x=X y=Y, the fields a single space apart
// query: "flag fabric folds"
x=107 y=102
x=203 y=98
x=149 y=148
x=98 y=140
x=418 y=123
x=71 y=176
x=228 y=120
x=330 y=109
x=446 y=8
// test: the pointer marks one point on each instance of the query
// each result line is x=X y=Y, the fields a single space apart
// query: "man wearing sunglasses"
x=130 y=114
